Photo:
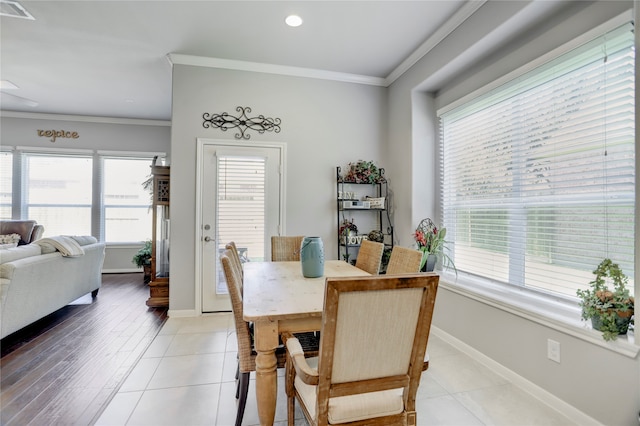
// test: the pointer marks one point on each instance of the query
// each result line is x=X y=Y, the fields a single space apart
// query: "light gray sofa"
x=37 y=280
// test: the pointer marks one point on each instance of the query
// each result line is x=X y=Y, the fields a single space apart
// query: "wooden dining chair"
x=235 y=257
x=374 y=336
x=370 y=256
x=246 y=357
x=404 y=260
x=285 y=248
x=244 y=335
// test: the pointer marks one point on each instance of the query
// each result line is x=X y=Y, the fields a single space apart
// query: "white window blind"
x=58 y=192
x=241 y=203
x=538 y=174
x=127 y=213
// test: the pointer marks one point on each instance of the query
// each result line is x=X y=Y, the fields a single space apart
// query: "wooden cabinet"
x=159 y=284
x=367 y=206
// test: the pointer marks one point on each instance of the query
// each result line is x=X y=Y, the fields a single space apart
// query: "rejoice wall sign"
x=54 y=134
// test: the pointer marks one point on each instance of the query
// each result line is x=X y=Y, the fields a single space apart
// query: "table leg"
x=266 y=340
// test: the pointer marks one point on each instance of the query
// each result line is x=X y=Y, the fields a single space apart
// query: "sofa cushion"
x=22 y=227
x=10 y=239
x=20 y=252
x=8 y=245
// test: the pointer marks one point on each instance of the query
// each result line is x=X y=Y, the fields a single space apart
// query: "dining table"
x=277 y=298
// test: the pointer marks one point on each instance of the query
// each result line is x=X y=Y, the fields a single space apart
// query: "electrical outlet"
x=553 y=350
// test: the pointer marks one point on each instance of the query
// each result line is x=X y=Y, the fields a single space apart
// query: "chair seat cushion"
x=351 y=408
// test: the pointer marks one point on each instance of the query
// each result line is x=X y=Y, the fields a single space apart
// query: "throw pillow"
x=8 y=246
x=10 y=239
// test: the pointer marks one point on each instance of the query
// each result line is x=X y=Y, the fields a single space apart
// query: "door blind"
x=241 y=203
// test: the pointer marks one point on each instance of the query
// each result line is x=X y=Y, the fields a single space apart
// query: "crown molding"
x=83 y=118
x=200 y=61
x=469 y=8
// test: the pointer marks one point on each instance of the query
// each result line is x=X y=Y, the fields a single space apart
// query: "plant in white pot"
x=610 y=308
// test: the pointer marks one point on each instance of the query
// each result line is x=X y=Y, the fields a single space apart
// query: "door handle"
x=207 y=238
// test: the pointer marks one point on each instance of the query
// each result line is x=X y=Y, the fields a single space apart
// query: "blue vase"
x=312 y=257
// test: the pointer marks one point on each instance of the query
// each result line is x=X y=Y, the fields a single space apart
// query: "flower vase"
x=430 y=264
x=312 y=257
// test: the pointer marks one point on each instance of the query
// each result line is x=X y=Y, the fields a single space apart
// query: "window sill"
x=561 y=314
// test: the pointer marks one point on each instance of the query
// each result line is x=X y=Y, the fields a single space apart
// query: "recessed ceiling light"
x=293 y=20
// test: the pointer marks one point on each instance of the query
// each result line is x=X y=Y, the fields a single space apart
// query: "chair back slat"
x=245 y=346
x=404 y=260
x=236 y=262
x=231 y=245
x=285 y=248
x=370 y=256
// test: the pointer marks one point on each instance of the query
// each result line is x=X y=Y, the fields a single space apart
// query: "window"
x=538 y=174
x=79 y=192
x=58 y=192
x=6 y=182
x=127 y=214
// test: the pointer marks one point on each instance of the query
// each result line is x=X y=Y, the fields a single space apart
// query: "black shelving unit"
x=361 y=216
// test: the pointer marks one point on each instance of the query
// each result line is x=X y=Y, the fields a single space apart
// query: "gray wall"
x=598 y=381
x=94 y=133
x=324 y=124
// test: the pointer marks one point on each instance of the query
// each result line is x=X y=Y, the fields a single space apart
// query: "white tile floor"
x=187 y=377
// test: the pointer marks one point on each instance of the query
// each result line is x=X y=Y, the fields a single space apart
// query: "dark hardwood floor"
x=65 y=368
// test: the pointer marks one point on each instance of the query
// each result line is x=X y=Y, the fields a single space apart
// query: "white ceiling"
x=109 y=58
x=113 y=58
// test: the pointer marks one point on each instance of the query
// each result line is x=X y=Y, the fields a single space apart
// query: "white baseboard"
x=543 y=395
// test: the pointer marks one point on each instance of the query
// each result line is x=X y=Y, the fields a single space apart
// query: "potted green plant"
x=609 y=309
x=431 y=242
x=142 y=259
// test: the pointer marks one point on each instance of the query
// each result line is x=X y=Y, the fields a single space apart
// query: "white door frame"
x=200 y=144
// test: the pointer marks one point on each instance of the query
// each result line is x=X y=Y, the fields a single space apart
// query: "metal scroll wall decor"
x=243 y=122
